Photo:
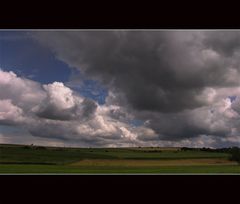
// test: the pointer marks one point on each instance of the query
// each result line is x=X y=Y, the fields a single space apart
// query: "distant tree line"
x=233 y=151
x=34 y=147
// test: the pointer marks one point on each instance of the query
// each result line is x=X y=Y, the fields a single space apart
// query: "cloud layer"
x=57 y=112
x=155 y=71
x=183 y=85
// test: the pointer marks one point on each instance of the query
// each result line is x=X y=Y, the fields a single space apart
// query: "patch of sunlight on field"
x=153 y=163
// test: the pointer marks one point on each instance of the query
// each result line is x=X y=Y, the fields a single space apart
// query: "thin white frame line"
x=76 y=30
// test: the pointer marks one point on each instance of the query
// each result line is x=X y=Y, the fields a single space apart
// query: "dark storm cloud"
x=156 y=71
x=225 y=42
x=186 y=125
x=89 y=108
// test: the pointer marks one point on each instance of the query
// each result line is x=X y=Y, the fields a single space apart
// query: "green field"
x=28 y=159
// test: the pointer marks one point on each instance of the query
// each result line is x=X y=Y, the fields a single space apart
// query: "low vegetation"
x=39 y=159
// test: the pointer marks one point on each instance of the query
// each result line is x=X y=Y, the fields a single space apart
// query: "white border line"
x=121 y=29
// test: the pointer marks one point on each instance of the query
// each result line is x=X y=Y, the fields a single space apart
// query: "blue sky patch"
x=232 y=98
x=27 y=58
x=24 y=56
x=90 y=89
x=136 y=122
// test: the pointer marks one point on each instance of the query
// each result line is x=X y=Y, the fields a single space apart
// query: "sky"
x=120 y=88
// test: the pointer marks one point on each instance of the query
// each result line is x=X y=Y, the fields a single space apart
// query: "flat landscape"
x=36 y=159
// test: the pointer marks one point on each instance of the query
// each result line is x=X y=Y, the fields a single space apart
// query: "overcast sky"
x=120 y=88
